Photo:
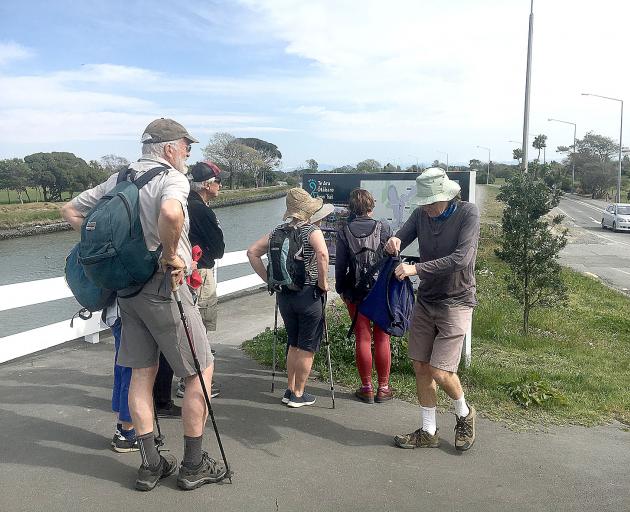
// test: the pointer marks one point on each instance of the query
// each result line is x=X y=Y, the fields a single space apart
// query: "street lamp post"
x=620 y=138
x=488 y=173
x=528 y=79
x=445 y=153
x=574 y=150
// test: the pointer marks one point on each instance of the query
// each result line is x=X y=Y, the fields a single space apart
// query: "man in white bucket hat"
x=447 y=230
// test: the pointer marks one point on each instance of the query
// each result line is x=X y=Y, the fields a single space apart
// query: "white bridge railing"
x=18 y=295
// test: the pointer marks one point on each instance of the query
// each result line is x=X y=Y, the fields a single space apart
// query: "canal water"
x=43 y=256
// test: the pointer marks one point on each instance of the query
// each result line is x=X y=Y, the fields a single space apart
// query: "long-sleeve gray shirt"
x=448 y=249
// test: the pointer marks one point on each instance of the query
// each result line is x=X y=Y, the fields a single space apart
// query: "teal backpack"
x=112 y=251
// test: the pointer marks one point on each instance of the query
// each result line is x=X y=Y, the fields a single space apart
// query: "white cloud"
x=11 y=51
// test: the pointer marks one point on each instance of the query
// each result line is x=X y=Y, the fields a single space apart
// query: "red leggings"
x=363 y=349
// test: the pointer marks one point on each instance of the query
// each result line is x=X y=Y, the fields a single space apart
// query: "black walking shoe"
x=122 y=444
x=148 y=478
x=170 y=410
x=286 y=397
x=208 y=472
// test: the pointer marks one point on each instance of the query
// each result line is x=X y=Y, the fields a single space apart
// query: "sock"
x=148 y=450
x=461 y=409
x=429 y=423
x=130 y=435
x=192 y=451
x=367 y=388
x=384 y=387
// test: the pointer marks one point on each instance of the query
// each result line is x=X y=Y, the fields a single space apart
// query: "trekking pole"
x=275 y=342
x=330 y=373
x=159 y=440
x=228 y=473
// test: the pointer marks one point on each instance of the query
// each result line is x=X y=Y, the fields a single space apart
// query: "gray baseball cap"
x=165 y=130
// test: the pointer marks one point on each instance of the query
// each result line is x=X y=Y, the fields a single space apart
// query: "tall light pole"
x=620 y=137
x=574 y=149
x=528 y=78
x=488 y=173
x=445 y=153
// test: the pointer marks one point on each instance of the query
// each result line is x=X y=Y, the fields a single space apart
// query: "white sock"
x=428 y=419
x=461 y=409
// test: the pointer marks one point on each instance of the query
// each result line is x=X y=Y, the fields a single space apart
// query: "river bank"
x=30 y=219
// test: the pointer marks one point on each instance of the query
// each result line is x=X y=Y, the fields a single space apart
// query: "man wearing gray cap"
x=151 y=321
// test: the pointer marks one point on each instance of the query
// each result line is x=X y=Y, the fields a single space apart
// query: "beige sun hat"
x=433 y=185
x=300 y=204
x=322 y=213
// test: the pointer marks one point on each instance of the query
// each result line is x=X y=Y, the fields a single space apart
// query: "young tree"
x=540 y=142
x=528 y=244
x=517 y=154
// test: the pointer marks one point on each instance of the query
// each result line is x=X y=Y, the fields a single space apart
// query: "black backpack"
x=286 y=269
x=366 y=253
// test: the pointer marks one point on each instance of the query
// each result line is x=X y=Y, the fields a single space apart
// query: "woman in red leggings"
x=359 y=243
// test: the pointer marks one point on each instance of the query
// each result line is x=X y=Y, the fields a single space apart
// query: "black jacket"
x=205 y=231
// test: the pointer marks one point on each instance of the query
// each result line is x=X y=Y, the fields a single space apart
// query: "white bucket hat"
x=322 y=213
x=432 y=186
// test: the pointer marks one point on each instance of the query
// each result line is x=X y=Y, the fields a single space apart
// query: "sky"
x=339 y=81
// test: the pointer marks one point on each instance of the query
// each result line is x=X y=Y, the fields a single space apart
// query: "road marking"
x=619 y=270
x=565 y=213
x=595 y=221
x=601 y=210
x=612 y=239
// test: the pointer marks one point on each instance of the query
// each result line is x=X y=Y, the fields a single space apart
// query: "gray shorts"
x=437 y=334
x=151 y=324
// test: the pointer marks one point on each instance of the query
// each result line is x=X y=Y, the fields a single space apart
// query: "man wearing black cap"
x=150 y=319
x=205 y=231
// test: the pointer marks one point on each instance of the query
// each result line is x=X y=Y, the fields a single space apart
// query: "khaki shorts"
x=437 y=334
x=151 y=323
x=207 y=301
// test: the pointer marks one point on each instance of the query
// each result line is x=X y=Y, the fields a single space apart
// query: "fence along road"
x=18 y=295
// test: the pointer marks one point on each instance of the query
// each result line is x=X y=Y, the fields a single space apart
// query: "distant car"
x=617 y=217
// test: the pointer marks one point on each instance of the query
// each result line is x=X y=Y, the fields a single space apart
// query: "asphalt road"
x=592 y=249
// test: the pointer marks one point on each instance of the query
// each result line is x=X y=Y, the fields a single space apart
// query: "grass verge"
x=575 y=361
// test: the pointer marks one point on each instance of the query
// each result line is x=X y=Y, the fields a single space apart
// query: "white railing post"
x=18 y=295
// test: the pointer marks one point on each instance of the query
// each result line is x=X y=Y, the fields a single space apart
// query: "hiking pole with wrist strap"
x=275 y=342
x=228 y=473
x=330 y=373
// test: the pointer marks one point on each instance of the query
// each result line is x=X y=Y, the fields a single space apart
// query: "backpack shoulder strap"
x=149 y=175
x=124 y=173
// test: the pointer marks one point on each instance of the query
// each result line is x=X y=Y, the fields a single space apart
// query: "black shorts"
x=303 y=316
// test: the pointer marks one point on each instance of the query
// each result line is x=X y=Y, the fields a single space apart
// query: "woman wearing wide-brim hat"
x=301 y=309
x=447 y=231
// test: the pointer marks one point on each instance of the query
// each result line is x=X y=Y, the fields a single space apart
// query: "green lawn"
x=581 y=352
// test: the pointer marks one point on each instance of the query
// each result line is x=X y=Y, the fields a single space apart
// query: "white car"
x=617 y=217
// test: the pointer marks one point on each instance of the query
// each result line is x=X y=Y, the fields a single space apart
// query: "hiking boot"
x=286 y=397
x=122 y=444
x=418 y=439
x=305 y=399
x=148 y=478
x=465 y=430
x=365 y=394
x=383 y=395
x=209 y=471
x=170 y=410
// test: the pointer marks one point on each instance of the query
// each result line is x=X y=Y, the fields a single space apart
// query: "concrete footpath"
x=56 y=426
